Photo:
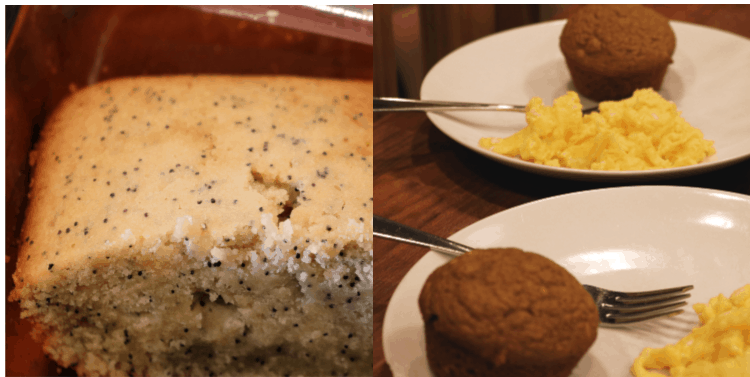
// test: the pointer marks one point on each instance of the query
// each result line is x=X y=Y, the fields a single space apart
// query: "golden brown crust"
x=511 y=308
x=611 y=50
x=446 y=359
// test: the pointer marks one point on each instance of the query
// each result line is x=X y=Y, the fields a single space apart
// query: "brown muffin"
x=505 y=312
x=612 y=50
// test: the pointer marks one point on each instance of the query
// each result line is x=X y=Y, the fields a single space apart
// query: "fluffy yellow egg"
x=719 y=347
x=639 y=133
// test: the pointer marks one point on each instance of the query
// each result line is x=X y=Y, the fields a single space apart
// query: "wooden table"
x=426 y=180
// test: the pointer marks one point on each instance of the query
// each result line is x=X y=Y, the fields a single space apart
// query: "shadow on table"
x=481 y=176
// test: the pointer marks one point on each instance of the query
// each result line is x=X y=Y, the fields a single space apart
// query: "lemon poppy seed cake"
x=203 y=225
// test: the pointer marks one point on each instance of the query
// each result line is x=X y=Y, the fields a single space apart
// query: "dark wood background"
x=425 y=180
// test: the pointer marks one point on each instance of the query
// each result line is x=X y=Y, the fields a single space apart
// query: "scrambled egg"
x=719 y=347
x=639 y=133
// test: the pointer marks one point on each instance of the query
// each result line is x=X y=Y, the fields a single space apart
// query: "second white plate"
x=708 y=81
x=630 y=239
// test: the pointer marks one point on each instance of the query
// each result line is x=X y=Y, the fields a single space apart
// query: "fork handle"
x=382 y=104
x=392 y=230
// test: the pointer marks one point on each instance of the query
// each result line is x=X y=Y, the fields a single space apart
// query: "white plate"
x=631 y=238
x=708 y=81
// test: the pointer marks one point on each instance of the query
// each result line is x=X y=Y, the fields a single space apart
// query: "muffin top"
x=510 y=306
x=613 y=40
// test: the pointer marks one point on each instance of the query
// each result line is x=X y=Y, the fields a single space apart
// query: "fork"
x=383 y=104
x=615 y=308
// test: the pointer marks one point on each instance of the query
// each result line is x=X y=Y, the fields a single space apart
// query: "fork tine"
x=653 y=300
x=624 y=318
x=656 y=292
x=634 y=309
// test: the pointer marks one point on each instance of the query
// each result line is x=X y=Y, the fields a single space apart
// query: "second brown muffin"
x=504 y=312
x=612 y=50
